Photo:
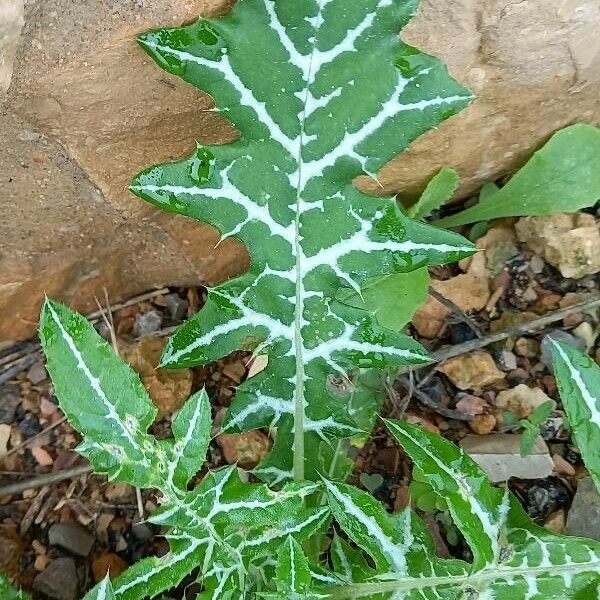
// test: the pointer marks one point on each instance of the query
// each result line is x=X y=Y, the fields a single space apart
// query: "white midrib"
x=476 y=580
x=298 y=449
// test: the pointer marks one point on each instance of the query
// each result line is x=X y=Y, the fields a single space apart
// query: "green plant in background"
x=321 y=92
x=8 y=592
x=532 y=424
x=248 y=539
x=562 y=176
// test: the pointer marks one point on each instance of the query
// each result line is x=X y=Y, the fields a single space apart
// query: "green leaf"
x=392 y=299
x=102 y=591
x=532 y=425
x=191 y=429
x=102 y=397
x=513 y=558
x=8 y=592
x=438 y=191
x=578 y=379
x=478 y=509
x=341 y=96
x=561 y=177
x=369 y=526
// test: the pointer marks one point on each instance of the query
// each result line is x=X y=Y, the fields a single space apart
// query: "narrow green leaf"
x=392 y=299
x=477 y=508
x=578 y=379
x=191 y=428
x=438 y=191
x=293 y=572
x=102 y=397
x=366 y=522
x=561 y=177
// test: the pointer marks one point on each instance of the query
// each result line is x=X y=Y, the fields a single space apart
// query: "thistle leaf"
x=578 y=379
x=478 y=509
x=191 y=429
x=340 y=97
x=103 y=591
x=102 y=397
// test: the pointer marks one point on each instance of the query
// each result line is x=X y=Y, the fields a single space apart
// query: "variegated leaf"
x=532 y=563
x=321 y=91
x=478 y=509
x=102 y=397
x=578 y=379
x=191 y=429
x=103 y=591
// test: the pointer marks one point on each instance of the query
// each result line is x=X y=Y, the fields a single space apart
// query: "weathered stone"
x=11 y=22
x=521 y=400
x=108 y=563
x=472 y=371
x=245 y=449
x=498 y=454
x=10 y=398
x=584 y=516
x=467 y=291
x=71 y=537
x=566 y=241
x=58 y=580
x=168 y=388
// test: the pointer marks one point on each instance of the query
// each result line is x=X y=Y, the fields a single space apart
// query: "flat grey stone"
x=71 y=537
x=584 y=517
x=499 y=455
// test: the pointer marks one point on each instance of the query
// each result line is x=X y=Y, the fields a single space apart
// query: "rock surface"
x=87 y=109
x=72 y=537
x=521 y=400
x=59 y=580
x=499 y=456
x=584 y=516
x=168 y=388
x=566 y=241
x=472 y=371
x=11 y=22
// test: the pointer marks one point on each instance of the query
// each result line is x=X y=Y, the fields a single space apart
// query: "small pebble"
x=527 y=347
x=72 y=537
x=30 y=425
x=147 y=323
x=37 y=373
x=10 y=398
x=59 y=580
x=537 y=264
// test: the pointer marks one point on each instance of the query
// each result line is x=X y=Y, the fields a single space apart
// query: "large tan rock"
x=11 y=21
x=105 y=110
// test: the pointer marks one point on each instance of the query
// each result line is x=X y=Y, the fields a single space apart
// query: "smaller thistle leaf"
x=103 y=591
x=102 y=397
x=292 y=571
x=151 y=576
x=302 y=525
x=578 y=379
x=477 y=508
x=349 y=563
x=224 y=580
x=438 y=191
x=369 y=526
x=191 y=429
